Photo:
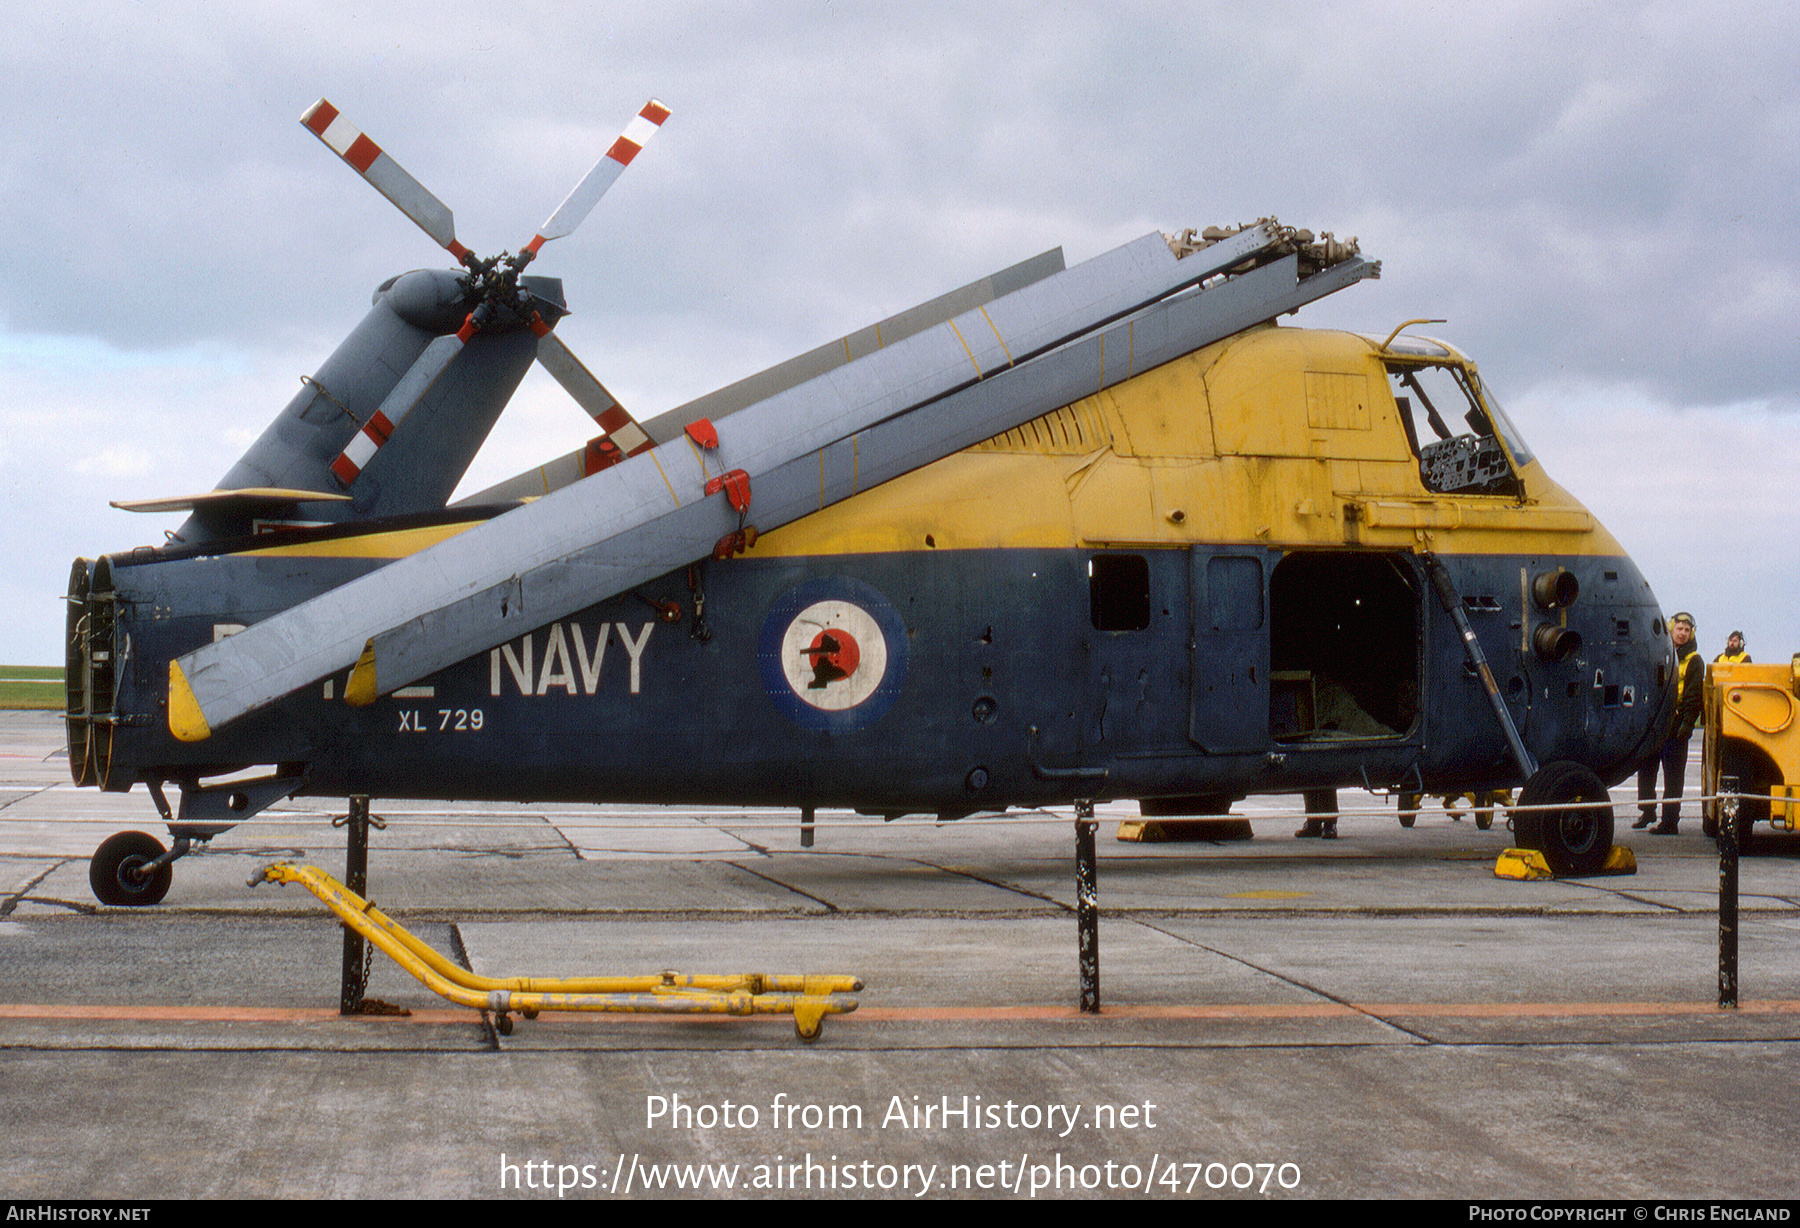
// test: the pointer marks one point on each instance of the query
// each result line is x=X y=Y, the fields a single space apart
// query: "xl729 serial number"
x=449 y=720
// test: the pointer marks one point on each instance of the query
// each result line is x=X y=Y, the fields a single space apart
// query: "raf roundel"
x=832 y=654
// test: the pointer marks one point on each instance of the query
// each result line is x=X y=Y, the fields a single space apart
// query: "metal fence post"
x=1087 y=907
x=356 y=877
x=1728 y=893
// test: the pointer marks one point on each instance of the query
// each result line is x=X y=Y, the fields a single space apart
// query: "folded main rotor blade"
x=645 y=517
x=367 y=159
x=584 y=462
x=586 y=194
x=563 y=552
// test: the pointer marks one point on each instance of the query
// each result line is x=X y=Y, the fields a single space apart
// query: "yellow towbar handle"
x=807 y=997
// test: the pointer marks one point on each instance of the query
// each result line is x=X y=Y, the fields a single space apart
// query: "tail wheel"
x=1487 y=803
x=114 y=871
x=1409 y=808
x=1574 y=841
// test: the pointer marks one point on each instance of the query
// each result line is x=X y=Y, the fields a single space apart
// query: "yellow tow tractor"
x=1752 y=736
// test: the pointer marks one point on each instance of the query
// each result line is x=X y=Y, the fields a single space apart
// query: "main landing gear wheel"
x=114 y=875
x=1573 y=841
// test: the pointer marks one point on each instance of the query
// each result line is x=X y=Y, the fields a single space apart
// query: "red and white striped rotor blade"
x=580 y=202
x=589 y=393
x=388 y=177
x=407 y=393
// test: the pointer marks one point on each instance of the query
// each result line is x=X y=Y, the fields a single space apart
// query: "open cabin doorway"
x=1343 y=646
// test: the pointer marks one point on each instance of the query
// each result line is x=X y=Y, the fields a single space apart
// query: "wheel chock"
x=1528 y=864
x=807 y=997
x=1178 y=831
x=1619 y=861
x=1523 y=864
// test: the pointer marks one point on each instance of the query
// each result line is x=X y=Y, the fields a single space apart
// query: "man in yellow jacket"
x=1734 y=653
x=1690 y=676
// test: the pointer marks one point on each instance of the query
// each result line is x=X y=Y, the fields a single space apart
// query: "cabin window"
x=1234 y=593
x=1450 y=432
x=1119 y=592
x=1343 y=646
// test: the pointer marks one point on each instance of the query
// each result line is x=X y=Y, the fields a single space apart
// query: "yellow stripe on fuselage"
x=384 y=544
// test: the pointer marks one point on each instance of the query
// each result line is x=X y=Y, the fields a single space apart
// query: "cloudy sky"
x=1599 y=199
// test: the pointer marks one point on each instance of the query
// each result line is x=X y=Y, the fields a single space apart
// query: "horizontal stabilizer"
x=244 y=501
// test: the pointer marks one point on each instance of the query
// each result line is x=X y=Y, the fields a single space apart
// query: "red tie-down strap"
x=736 y=485
x=734 y=543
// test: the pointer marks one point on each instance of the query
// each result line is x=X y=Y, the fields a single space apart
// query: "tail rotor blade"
x=386 y=175
x=580 y=202
x=407 y=393
x=591 y=395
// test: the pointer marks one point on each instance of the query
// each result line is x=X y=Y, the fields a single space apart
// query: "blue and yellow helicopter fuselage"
x=1210 y=581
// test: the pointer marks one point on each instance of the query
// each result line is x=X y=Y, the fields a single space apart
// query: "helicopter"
x=1069 y=533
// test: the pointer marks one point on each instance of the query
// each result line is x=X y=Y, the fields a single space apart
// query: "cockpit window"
x=1515 y=442
x=1451 y=433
